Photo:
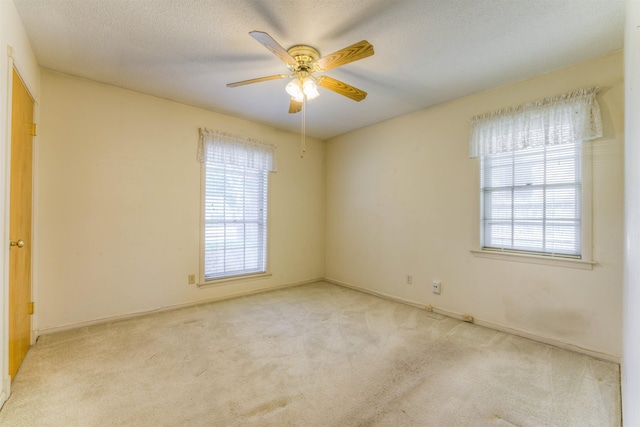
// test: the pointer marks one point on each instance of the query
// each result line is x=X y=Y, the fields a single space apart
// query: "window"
x=531 y=200
x=235 y=199
x=235 y=220
x=531 y=174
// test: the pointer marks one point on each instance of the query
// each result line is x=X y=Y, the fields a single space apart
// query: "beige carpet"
x=313 y=355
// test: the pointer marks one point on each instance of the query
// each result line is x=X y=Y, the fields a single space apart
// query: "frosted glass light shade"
x=294 y=88
x=309 y=88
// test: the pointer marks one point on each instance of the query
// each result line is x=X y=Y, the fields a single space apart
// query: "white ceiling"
x=426 y=51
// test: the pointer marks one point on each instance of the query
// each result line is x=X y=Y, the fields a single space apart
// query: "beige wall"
x=402 y=198
x=119 y=200
x=631 y=355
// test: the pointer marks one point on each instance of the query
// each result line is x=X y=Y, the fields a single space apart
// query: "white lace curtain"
x=230 y=149
x=561 y=119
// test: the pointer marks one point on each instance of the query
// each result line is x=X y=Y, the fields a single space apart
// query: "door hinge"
x=31 y=307
x=33 y=129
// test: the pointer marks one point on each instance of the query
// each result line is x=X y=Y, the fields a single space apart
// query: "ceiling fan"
x=302 y=61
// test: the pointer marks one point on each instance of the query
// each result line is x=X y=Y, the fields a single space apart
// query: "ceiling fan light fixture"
x=300 y=88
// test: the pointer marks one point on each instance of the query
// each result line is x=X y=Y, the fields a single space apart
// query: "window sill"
x=234 y=279
x=535 y=259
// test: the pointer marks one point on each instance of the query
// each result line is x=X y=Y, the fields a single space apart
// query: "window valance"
x=221 y=147
x=560 y=119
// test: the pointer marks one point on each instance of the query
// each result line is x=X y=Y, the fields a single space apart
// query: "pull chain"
x=303 y=143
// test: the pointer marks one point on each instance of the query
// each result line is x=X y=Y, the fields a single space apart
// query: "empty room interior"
x=340 y=213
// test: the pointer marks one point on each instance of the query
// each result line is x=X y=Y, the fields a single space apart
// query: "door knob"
x=19 y=243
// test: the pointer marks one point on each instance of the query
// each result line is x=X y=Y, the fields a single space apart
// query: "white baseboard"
x=101 y=320
x=5 y=391
x=518 y=332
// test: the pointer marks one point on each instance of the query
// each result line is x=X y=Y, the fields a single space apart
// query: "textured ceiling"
x=426 y=51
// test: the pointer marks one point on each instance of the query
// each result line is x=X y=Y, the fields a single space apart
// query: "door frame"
x=14 y=64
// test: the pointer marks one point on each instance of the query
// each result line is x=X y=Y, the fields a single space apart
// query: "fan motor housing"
x=305 y=55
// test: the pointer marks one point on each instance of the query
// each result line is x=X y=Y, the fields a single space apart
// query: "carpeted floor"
x=312 y=355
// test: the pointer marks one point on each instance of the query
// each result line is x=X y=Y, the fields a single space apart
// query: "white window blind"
x=235 y=234
x=531 y=200
x=235 y=204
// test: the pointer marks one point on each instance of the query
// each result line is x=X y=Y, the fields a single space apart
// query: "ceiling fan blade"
x=294 y=106
x=259 y=79
x=355 y=52
x=267 y=41
x=342 y=88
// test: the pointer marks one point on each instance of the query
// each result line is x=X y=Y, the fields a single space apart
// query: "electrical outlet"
x=429 y=308
x=409 y=279
x=191 y=279
x=467 y=318
x=435 y=287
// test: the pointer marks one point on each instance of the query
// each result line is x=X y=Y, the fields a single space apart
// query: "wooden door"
x=20 y=307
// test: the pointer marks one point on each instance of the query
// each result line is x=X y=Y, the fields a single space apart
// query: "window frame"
x=584 y=262
x=222 y=280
